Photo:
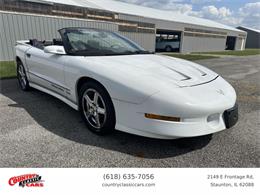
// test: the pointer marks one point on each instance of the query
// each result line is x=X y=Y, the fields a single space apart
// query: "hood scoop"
x=186 y=77
x=202 y=72
x=189 y=74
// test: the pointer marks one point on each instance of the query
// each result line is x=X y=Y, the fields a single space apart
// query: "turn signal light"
x=164 y=118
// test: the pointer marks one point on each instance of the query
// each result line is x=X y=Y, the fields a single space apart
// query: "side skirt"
x=65 y=100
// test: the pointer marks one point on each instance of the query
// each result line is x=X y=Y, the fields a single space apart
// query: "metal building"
x=27 y=19
x=253 y=37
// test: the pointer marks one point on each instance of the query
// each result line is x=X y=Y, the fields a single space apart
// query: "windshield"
x=92 y=42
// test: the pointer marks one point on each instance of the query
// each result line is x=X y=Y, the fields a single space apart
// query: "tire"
x=96 y=108
x=22 y=77
x=168 y=48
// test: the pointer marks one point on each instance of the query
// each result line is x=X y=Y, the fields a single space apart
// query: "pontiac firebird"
x=116 y=84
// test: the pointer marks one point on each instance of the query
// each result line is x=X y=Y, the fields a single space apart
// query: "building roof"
x=247 y=28
x=131 y=9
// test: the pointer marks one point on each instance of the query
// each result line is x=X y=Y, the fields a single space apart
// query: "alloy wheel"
x=22 y=76
x=94 y=108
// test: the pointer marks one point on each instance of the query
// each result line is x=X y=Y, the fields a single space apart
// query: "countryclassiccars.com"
x=116 y=84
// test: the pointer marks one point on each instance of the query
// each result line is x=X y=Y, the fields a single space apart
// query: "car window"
x=97 y=42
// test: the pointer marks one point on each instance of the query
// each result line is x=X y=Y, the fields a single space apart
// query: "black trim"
x=231 y=116
x=55 y=92
x=58 y=86
x=202 y=83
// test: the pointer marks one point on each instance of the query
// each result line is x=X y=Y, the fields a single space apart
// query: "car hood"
x=153 y=67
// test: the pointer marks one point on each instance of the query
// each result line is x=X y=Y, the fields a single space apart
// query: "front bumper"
x=136 y=123
x=202 y=109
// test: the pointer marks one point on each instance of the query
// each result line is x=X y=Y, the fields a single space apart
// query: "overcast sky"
x=230 y=12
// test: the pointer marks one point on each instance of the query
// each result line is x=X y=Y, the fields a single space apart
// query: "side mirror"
x=55 y=49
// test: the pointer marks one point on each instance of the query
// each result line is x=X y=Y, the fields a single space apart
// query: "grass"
x=191 y=57
x=246 y=52
x=7 y=69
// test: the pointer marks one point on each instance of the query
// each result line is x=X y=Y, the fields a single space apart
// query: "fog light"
x=213 y=119
x=164 y=118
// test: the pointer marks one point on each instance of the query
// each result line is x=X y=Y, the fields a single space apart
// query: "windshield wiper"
x=107 y=53
x=134 y=52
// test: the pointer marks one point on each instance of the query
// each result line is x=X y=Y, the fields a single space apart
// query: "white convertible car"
x=116 y=84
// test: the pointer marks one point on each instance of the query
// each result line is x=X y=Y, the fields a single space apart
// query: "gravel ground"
x=37 y=130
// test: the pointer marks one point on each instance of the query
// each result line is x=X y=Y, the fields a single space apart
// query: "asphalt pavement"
x=38 y=130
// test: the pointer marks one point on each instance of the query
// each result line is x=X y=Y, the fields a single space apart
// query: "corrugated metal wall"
x=17 y=26
x=20 y=26
x=189 y=44
x=202 y=44
x=146 y=40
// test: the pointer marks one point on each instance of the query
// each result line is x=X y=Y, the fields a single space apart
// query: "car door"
x=46 y=70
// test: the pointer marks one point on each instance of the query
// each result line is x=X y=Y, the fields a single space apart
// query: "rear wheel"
x=96 y=108
x=22 y=78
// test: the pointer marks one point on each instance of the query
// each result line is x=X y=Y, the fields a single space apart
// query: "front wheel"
x=22 y=78
x=96 y=108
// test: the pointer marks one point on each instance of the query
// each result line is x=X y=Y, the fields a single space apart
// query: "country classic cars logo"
x=28 y=180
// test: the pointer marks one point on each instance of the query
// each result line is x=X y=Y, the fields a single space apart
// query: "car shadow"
x=61 y=120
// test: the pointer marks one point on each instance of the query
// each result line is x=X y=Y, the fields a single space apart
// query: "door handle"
x=28 y=55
